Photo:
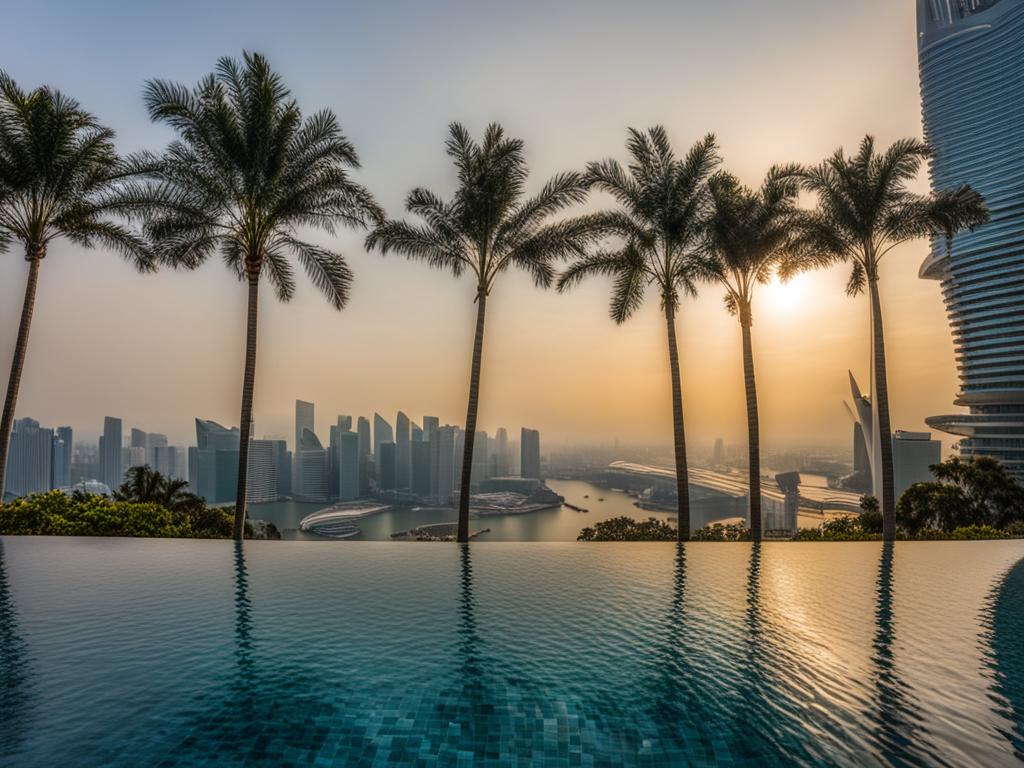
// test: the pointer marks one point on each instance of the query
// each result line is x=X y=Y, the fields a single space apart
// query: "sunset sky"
x=788 y=80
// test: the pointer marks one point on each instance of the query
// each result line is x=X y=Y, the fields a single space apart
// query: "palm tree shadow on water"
x=1004 y=617
x=896 y=722
x=264 y=715
x=16 y=687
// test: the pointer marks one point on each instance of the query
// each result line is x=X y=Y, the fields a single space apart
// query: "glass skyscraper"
x=971 y=56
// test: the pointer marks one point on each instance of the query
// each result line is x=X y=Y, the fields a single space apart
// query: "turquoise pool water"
x=119 y=652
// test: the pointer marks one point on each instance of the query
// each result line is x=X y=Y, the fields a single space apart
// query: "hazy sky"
x=788 y=80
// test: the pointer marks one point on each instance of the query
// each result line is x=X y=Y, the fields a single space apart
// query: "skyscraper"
x=29 y=459
x=430 y=425
x=363 y=432
x=481 y=459
x=442 y=464
x=387 y=466
x=420 y=481
x=348 y=466
x=403 y=452
x=417 y=433
x=312 y=460
x=502 y=463
x=381 y=434
x=304 y=419
x=529 y=447
x=971 y=56
x=913 y=454
x=60 y=465
x=261 y=480
x=111 y=462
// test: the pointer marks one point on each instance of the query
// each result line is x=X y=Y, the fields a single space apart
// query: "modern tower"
x=381 y=434
x=29 y=460
x=348 y=466
x=363 y=432
x=304 y=419
x=403 y=452
x=430 y=425
x=971 y=57
x=443 y=464
x=60 y=465
x=529 y=447
x=111 y=463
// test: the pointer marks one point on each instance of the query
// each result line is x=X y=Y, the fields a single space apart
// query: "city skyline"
x=610 y=380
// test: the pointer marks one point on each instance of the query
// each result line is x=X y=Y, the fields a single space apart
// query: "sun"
x=778 y=296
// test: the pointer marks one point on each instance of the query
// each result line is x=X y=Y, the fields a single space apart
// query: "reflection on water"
x=1004 y=616
x=15 y=672
x=265 y=654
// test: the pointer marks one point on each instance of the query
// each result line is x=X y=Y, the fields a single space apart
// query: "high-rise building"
x=261 y=479
x=420 y=481
x=381 y=434
x=529 y=447
x=348 y=466
x=304 y=419
x=971 y=56
x=443 y=464
x=430 y=425
x=154 y=440
x=387 y=466
x=111 y=460
x=213 y=462
x=60 y=464
x=29 y=459
x=363 y=432
x=481 y=459
x=502 y=462
x=170 y=461
x=913 y=453
x=136 y=456
x=312 y=460
x=417 y=433
x=403 y=452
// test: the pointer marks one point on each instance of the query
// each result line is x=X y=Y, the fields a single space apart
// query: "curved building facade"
x=971 y=55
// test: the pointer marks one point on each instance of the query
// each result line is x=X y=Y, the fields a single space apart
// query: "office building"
x=502 y=465
x=481 y=459
x=529 y=448
x=403 y=452
x=913 y=453
x=381 y=434
x=363 y=433
x=970 y=54
x=442 y=464
x=29 y=459
x=417 y=433
x=420 y=473
x=60 y=463
x=110 y=454
x=304 y=419
x=313 y=466
x=387 y=466
x=348 y=466
x=213 y=462
x=170 y=461
x=430 y=426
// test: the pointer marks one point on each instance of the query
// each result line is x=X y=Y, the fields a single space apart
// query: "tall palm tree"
x=487 y=227
x=663 y=202
x=749 y=234
x=245 y=174
x=59 y=178
x=143 y=484
x=864 y=211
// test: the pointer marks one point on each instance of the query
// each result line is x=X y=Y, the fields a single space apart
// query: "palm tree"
x=145 y=485
x=245 y=174
x=484 y=229
x=59 y=178
x=748 y=236
x=864 y=211
x=663 y=202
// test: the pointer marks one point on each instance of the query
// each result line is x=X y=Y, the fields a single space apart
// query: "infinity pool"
x=120 y=652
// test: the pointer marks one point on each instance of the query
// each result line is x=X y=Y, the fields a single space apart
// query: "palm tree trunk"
x=682 y=476
x=245 y=421
x=753 y=429
x=474 y=398
x=881 y=397
x=34 y=258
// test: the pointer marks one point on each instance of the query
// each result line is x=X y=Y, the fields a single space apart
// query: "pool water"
x=123 y=652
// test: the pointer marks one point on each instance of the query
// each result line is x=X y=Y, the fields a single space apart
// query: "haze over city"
x=789 y=83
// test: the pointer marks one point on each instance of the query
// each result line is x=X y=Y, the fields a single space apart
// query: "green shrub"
x=720 y=532
x=57 y=514
x=628 y=529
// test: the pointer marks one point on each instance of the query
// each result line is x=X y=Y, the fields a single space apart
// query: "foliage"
x=972 y=492
x=488 y=226
x=663 y=205
x=60 y=176
x=143 y=485
x=748 y=234
x=56 y=514
x=870 y=517
x=245 y=173
x=628 y=529
x=80 y=514
x=721 y=532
